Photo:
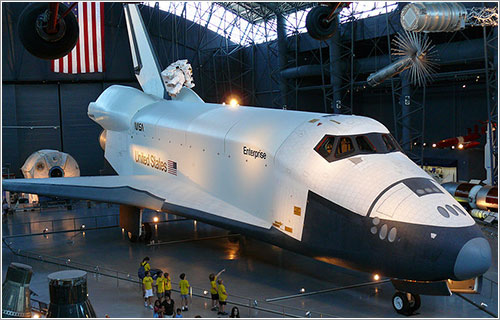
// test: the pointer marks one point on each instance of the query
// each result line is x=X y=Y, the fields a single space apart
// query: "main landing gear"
x=131 y=222
x=405 y=303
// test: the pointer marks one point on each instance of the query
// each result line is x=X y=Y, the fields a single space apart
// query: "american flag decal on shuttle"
x=172 y=167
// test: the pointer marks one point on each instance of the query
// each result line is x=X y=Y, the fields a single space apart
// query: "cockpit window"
x=388 y=143
x=394 y=142
x=344 y=147
x=364 y=144
x=348 y=146
x=325 y=146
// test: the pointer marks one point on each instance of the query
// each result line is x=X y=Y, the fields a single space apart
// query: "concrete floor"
x=254 y=270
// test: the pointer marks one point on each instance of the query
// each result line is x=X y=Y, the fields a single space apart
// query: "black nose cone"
x=473 y=260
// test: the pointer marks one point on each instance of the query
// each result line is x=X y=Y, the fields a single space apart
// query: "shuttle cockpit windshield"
x=334 y=148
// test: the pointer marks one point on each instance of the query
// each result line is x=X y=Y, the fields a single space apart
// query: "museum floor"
x=255 y=271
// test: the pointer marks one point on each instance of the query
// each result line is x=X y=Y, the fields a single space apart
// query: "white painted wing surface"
x=145 y=191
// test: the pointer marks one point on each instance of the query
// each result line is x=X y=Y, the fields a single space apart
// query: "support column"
x=491 y=68
x=336 y=69
x=405 y=103
x=282 y=56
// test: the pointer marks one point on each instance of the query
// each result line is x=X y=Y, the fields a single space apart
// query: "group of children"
x=218 y=292
x=164 y=306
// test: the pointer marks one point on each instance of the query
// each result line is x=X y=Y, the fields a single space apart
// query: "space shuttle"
x=334 y=187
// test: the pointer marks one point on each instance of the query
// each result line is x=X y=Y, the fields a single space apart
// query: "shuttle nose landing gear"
x=405 y=303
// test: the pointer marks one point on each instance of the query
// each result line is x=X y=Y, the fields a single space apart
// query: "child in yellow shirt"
x=184 y=286
x=221 y=290
x=160 y=285
x=168 y=285
x=148 y=289
x=213 y=289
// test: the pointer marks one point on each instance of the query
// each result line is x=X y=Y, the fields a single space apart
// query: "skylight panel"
x=217 y=19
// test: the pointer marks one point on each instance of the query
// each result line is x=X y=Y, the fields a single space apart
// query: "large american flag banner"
x=88 y=54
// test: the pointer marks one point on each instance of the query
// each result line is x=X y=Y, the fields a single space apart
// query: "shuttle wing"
x=144 y=191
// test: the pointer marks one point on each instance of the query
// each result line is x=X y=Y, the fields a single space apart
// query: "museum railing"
x=251 y=306
x=59 y=225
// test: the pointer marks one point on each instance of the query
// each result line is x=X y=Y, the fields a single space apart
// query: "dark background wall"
x=35 y=96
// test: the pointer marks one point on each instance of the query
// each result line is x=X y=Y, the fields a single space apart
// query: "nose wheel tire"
x=405 y=303
x=414 y=303
x=400 y=303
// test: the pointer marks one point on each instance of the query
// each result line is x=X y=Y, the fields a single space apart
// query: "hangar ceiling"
x=247 y=23
x=255 y=12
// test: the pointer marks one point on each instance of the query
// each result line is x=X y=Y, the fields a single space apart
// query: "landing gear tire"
x=405 y=303
x=414 y=303
x=33 y=33
x=316 y=24
x=400 y=303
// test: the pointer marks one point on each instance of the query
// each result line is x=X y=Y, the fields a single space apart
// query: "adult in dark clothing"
x=169 y=306
x=235 y=313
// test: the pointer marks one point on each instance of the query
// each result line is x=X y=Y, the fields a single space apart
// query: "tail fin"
x=146 y=66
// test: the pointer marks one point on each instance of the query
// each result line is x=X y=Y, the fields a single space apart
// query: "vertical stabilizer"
x=146 y=66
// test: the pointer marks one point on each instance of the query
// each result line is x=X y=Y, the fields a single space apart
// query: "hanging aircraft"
x=337 y=188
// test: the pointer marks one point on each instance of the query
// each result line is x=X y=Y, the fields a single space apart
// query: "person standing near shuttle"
x=184 y=286
x=337 y=188
x=222 y=293
x=148 y=290
x=168 y=285
x=213 y=289
x=160 y=285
